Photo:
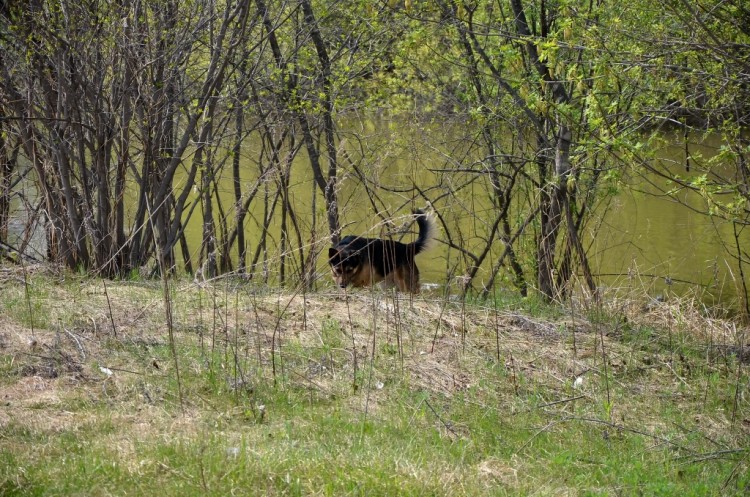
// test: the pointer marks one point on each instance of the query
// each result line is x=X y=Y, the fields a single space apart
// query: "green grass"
x=277 y=401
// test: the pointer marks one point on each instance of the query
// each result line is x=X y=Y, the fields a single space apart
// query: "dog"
x=362 y=262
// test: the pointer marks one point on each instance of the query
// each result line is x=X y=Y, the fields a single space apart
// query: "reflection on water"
x=662 y=241
x=26 y=225
x=643 y=237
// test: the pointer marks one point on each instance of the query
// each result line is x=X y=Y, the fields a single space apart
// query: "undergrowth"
x=284 y=393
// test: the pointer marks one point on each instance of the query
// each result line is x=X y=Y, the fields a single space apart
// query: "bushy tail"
x=426 y=231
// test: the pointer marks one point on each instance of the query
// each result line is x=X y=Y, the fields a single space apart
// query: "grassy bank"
x=258 y=392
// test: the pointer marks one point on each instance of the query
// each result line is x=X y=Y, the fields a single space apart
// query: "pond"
x=639 y=240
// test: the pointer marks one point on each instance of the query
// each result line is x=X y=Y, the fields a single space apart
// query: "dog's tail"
x=426 y=231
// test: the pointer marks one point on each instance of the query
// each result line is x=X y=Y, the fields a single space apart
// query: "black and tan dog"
x=361 y=262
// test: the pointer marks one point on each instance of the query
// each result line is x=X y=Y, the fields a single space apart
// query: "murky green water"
x=642 y=239
x=655 y=241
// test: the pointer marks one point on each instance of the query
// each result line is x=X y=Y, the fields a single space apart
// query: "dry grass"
x=446 y=366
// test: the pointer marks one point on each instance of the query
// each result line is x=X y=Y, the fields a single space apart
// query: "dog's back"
x=362 y=262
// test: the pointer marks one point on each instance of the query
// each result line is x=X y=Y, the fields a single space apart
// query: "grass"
x=364 y=394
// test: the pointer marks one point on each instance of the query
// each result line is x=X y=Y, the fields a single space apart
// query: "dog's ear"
x=332 y=252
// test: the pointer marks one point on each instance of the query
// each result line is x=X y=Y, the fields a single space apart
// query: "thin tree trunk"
x=329 y=190
x=327 y=185
x=239 y=120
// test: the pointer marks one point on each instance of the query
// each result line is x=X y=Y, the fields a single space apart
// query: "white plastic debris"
x=106 y=371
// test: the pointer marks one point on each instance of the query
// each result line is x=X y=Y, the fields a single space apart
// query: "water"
x=641 y=239
x=662 y=242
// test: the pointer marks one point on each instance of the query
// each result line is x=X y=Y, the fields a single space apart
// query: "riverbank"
x=259 y=391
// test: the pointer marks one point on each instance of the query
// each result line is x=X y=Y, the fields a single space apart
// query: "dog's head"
x=345 y=265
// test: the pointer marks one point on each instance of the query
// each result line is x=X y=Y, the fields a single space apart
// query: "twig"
x=354 y=345
x=563 y=401
x=123 y=370
x=80 y=347
x=739 y=372
x=48 y=358
x=542 y=430
x=447 y=426
x=703 y=435
x=669 y=366
x=513 y=369
x=732 y=473
x=371 y=369
x=630 y=430
x=109 y=304
x=719 y=454
x=93 y=321
x=606 y=374
x=28 y=297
